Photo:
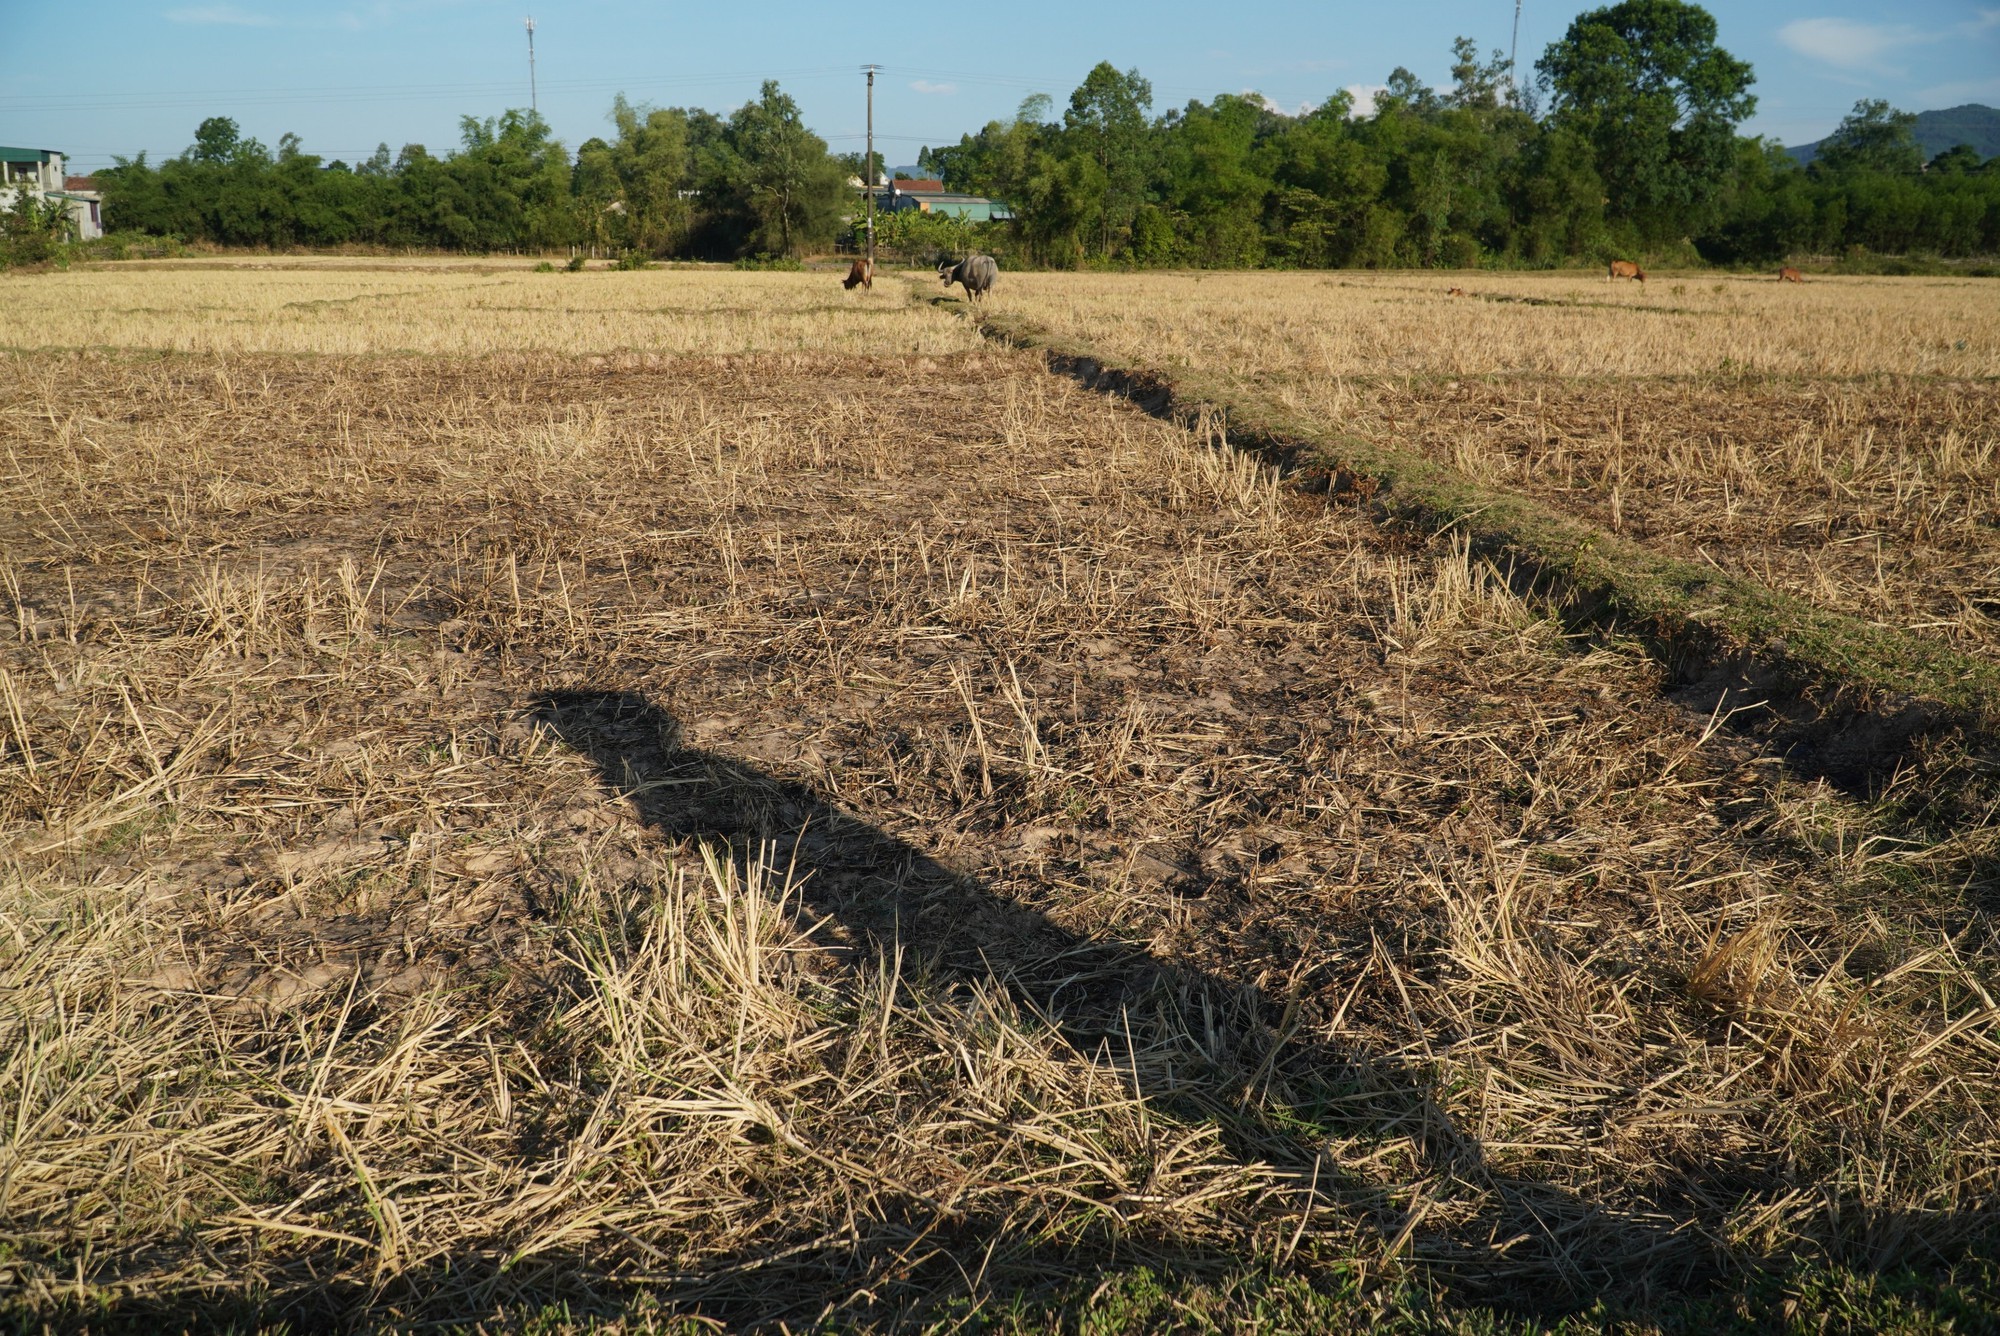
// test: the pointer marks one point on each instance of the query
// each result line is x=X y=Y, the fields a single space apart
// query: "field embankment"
x=893 y=839
x=1839 y=528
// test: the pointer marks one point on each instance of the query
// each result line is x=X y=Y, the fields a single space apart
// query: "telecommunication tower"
x=533 y=104
x=1513 y=74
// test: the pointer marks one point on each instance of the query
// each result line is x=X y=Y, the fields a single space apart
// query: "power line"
x=1034 y=84
x=860 y=134
x=381 y=92
x=170 y=99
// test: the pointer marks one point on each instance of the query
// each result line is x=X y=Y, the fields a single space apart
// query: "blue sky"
x=347 y=74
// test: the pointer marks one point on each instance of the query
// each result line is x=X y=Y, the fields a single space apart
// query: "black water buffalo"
x=975 y=273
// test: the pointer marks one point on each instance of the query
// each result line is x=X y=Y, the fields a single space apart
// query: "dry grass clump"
x=345 y=308
x=760 y=832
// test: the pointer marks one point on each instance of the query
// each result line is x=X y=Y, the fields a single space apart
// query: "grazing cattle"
x=1624 y=269
x=1790 y=275
x=975 y=273
x=862 y=275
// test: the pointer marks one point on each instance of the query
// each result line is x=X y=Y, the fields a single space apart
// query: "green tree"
x=851 y=164
x=995 y=162
x=793 y=188
x=1216 y=181
x=1561 y=200
x=648 y=165
x=1326 y=180
x=1456 y=176
x=1874 y=137
x=508 y=187
x=1405 y=92
x=216 y=141
x=1763 y=211
x=135 y=199
x=1644 y=83
x=1106 y=121
x=1958 y=160
x=1476 y=86
x=1061 y=202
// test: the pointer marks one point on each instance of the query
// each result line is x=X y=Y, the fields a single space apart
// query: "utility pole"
x=534 y=104
x=868 y=166
x=1513 y=49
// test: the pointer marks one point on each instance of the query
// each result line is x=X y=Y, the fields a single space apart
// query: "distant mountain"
x=1938 y=130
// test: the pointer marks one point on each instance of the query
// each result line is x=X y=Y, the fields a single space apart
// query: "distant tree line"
x=1625 y=143
x=672 y=182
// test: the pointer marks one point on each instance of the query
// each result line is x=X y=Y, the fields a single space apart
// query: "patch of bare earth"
x=817 y=837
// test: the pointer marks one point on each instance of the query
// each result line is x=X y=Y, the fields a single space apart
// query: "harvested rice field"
x=1838 y=440
x=673 y=817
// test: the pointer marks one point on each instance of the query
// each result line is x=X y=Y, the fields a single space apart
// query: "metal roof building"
x=932 y=197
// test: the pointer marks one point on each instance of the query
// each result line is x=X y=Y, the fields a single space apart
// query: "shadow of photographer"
x=1273 y=1099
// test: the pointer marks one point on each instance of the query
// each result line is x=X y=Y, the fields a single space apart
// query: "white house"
x=39 y=171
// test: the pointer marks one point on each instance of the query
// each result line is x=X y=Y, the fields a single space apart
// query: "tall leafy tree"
x=1106 y=122
x=1646 y=85
x=1326 y=181
x=1561 y=200
x=1216 y=177
x=216 y=141
x=1476 y=85
x=509 y=185
x=1874 y=137
x=1957 y=160
x=793 y=187
x=649 y=163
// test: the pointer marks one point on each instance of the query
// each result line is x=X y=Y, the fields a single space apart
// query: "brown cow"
x=1790 y=275
x=862 y=274
x=1624 y=269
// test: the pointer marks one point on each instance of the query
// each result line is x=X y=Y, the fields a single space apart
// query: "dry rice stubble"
x=1306 y=806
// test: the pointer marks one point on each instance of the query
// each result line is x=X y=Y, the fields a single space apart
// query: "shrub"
x=33 y=231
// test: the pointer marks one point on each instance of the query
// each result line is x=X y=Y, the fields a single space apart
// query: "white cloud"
x=383 y=13
x=229 y=14
x=1269 y=104
x=1847 y=43
x=1364 y=96
x=926 y=86
x=1850 y=45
